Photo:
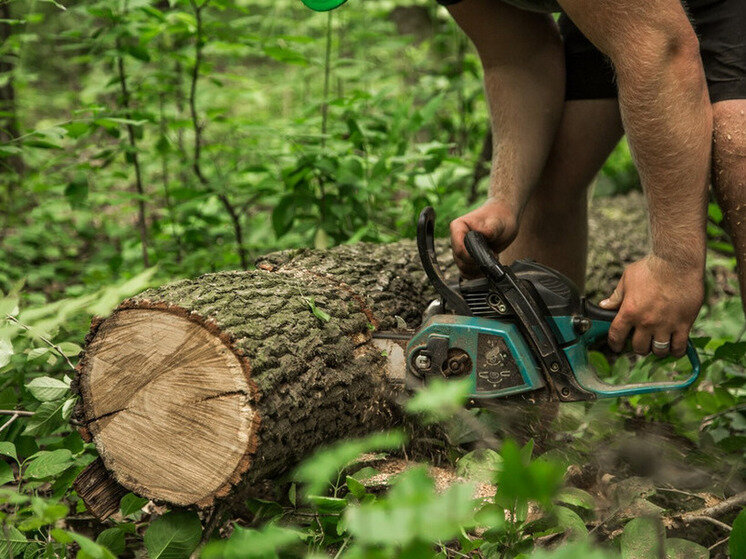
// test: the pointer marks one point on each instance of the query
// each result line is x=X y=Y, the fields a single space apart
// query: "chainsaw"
x=520 y=331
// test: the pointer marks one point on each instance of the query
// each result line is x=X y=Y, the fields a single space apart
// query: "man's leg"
x=729 y=175
x=554 y=226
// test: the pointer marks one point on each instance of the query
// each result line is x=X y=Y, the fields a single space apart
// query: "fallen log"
x=199 y=388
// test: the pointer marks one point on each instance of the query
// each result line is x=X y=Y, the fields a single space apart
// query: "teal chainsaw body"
x=523 y=329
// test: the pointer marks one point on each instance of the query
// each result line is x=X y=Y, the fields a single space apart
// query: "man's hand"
x=657 y=300
x=495 y=219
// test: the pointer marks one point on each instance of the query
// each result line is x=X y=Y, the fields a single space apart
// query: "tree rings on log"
x=168 y=399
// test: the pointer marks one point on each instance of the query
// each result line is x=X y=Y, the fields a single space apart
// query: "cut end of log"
x=168 y=401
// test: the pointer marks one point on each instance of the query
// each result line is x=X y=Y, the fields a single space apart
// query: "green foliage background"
x=151 y=140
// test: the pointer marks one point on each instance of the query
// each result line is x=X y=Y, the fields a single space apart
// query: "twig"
x=212 y=522
x=715 y=521
x=610 y=516
x=679 y=491
x=9 y=422
x=447 y=549
x=722 y=508
x=342 y=548
x=20 y=413
x=47 y=341
x=706 y=420
x=718 y=543
x=197 y=157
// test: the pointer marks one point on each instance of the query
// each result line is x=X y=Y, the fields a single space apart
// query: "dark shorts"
x=721 y=28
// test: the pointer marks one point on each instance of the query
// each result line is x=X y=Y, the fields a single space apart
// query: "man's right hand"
x=495 y=219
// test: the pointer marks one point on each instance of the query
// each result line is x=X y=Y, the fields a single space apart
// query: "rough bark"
x=203 y=386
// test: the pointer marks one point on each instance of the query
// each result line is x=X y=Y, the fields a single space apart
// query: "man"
x=548 y=148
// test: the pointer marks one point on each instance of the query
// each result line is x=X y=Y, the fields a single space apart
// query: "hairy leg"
x=554 y=226
x=729 y=175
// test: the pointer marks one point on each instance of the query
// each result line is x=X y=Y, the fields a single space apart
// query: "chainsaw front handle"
x=600 y=323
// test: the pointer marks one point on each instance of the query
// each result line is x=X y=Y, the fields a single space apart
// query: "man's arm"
x=521 y=53
x=667 y=117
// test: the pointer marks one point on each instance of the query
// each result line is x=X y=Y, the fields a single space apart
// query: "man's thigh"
x=720 y=26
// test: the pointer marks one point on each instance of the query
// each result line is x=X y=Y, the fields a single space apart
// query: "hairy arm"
x=666 y=112
x=523 y=64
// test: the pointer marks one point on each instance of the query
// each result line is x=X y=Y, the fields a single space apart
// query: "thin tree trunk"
x=134 y=157
x=11 y=166
x=166 y=180
x=197 y=126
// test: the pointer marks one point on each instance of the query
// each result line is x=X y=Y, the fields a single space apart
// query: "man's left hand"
x=657 y=301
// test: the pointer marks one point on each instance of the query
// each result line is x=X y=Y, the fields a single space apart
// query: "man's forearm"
x=669 y=124
x=666 y=113
x=521 y=54
x=525 y=108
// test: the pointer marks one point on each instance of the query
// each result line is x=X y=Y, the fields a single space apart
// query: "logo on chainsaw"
x=496 y=367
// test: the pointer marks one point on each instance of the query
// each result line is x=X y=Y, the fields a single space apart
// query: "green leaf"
x=440 y=399
x=599 y=362
x=47 y=389
x=327 y=505
x=6 y=351
x=641 y=539
x=317 y=312
x=355 y=487
x=326 y=463
x=45 y=463
x=412 y=511
x=12 y=541
x=137 y=51
x=737 y=543
x=684 y=549
x=521 y=479
x=9 y=306
x=37 y=352
x=175 y=535
x=88 y=548
x=735 y=352
x=46 y=419
x=253 y=544
x=569 y=520
x=577 y=497
x=113 y=540
x=283 y=215
x=7 y=448
x=6 y=473
x=575 y=550
x=69 y=349
x=76 y=193
x=479 y=465
x=286 y=55
x=131 y=503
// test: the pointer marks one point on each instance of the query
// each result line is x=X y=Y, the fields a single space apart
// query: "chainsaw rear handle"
x=477 y=247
